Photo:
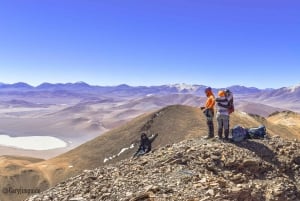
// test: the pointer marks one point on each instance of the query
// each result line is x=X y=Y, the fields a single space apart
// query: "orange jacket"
x=210 y=102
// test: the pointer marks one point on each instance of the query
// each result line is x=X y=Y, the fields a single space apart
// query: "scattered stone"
x=77 y=199
x=193 y=170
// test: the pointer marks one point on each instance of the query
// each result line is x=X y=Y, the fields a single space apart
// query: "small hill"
x=288 y=119
x=14 y=174
x=197 y=169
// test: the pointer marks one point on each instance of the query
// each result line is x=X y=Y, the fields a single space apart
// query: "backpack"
x=256 y=133
x=238 y=133
x=229 y=96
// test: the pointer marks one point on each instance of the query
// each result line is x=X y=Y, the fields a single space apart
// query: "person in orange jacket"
x=208 y=110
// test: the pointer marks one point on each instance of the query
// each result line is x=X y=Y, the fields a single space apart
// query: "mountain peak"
x=18 y=85
x=183 y=86
x=293 y=88
x=81 y=83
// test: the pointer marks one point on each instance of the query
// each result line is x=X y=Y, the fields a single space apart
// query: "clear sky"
x=151 y=42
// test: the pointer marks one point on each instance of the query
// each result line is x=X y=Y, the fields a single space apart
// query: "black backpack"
x=257 y=133
x=238 y=133
x=229 y=96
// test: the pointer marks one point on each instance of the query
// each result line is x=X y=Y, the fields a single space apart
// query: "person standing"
x=222 y=114
x=208 y=110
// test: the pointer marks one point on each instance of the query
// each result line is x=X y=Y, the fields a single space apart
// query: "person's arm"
x=152 y=137
x=222 y=102
x=223 y=105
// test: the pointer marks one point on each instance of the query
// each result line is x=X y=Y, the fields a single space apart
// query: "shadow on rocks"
x=261 y=150
x=266 y=154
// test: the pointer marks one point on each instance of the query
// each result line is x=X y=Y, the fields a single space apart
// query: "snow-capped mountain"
x=186 y=87
x=294 y=88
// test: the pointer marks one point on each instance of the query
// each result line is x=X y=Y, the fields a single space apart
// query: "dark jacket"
x=145 y=144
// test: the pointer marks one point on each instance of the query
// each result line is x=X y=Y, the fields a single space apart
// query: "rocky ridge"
x=193 y=170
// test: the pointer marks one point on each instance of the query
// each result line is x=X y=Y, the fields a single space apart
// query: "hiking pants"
x=139 y=153
x=210 y=123
x=223 y=123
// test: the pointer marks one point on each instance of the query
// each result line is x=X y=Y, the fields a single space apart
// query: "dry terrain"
x=173 y=124
x=193 y=170
x=102 y=125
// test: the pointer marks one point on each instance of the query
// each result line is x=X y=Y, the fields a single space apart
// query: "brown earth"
x=173 y=124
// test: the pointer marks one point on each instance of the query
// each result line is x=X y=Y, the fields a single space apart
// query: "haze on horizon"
x=217 y=43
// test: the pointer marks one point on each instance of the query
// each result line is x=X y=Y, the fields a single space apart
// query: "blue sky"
x=149 y=42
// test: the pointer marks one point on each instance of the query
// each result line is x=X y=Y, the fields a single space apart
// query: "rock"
x=250 y=162
x=297 y=160
x=210 y=192
x=141 y=196
x=128 y=194
x=77 y=199
x=237 y=178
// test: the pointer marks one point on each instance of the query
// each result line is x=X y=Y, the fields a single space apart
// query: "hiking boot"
x=226 y=133
x=220 y=133
x=208 y=137
x=220 y=137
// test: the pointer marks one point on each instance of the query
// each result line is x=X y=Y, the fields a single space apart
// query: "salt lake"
x=32 y=142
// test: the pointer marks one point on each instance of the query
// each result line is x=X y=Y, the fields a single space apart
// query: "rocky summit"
x=193 y=170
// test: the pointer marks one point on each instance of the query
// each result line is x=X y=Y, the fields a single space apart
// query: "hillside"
x=285 y=97
x=173 y=124
x=256 y=108
x=197 y=169
x=287 y=118
x=14 y=174
x=78 y=112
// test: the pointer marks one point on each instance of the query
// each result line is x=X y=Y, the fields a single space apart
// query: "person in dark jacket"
x=222 y=114
x=145 y=144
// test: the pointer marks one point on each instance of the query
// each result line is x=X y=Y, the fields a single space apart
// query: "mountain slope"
x=197 y=169
x=173 y=124
x=14 y=174
x=256 y=108
x=285 y=97
x=288 y=119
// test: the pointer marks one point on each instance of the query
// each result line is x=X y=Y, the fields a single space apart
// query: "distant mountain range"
x=288 y=97
x=173 y=88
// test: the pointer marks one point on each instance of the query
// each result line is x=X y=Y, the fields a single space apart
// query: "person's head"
x=208 y=91
x=227 y=92
x=143 y=135
x=221 y=93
